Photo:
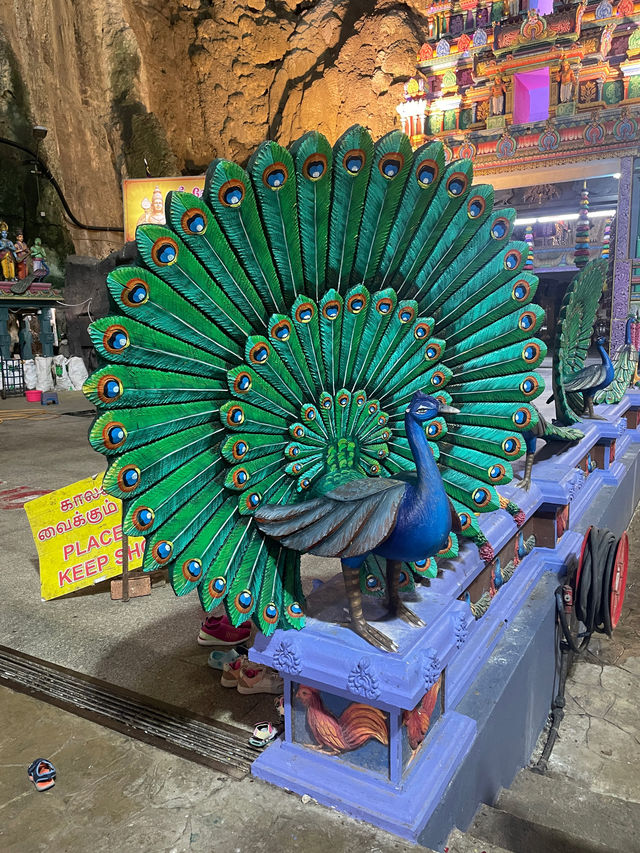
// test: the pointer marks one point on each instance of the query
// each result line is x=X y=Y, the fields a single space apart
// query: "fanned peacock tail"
x=266 y=349
x=574 y=331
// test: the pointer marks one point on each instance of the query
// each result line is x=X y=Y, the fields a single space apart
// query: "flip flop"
x=42 y=773
x=263 y=734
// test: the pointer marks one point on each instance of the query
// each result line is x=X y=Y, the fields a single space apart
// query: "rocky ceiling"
x=179 y=82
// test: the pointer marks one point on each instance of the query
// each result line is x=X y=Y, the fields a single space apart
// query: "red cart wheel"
x=576 y=584
x=619 y=579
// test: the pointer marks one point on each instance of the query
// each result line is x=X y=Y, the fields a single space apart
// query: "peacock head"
x=424 y=407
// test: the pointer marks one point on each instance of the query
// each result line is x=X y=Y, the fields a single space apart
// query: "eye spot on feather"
x=420 y=564
x=135 y=292
x=383 y=306
x=239 y=449
x=382 y=420
x=531 y=352
x=231 y=193
x=427 y=172
x=522 y=417
x=465 y=520
x=529 y=385
x=438 y=378
x=242 y=383
x=309 y=413
x=521 y=290
x=235 y=416
x=295 y=610
x=295 y=469
x=343 y=400
x=292 y=451
x=240 y=478
x=114 y=435
x=372 y=583
x=298 y=431
x=499 y=228
x=390 y=164
x=281 y=331
x=481 y=497
x=476 y=207
x=527 y=321
x=361 y=399
x=314 y=167
x=194 y=222
x=143 y=518
x=457 y=184
x=511 y=446
x=164 y=251
x=304 y=483
x=162 y=552
x=422 y=331
x=385 y=435
x=434 y=430
x=192 y=570
x=305 y=312
x=115 y=339
x=109 y=388
x=331 y=310
x=447 y=547
x=275 y=176
x=354 y=160
x=270 y=613
x=243 y=601
x=404 y=580
x=217 y=587
x=406 y=315
x=129 y=478
x=356 y=303
x=512 y=259
x=383 y=453
x=259 y=353
x=496 y=472
x=374 y=469
x=326 y=403
x=373 y=408
x=432 y=352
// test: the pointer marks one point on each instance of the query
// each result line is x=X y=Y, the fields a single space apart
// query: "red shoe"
x=218 y=631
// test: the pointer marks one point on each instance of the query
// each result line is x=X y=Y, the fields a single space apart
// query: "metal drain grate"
x=194 y=737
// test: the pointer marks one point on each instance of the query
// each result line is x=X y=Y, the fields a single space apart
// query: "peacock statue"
x=574 y=385
x=326 y=348
x=547 y=432
x=625 y=364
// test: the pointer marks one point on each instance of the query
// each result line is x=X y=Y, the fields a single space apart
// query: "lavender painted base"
x=384 y=779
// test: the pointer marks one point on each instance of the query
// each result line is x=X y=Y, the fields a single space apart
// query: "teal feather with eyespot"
x=121 y=386
x=245 y=384
x=313 y=158
x=356 y=304
x=205 y=545
x=519 y=325
x=243 y=591
x=502 y=362
x=507 y=445
x=330 y=322
x=381 y=309
x=304 y=314
x=423 y=180
x=500 y=415
x=516 y=388
x=230 y=195
x=352 y=160
x=274 y=182
x=266 y=362
x=164 y=309
x=190 y=217
x=474 y=463
x=284 y=338
x=392 y=161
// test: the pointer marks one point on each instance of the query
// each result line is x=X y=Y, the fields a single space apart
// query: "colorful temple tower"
x=543 y=96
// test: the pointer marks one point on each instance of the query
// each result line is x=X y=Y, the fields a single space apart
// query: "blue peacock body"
x=268 y=346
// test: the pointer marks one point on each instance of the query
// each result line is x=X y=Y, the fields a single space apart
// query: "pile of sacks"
x=57 y=373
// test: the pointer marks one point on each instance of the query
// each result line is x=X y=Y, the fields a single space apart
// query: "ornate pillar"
x=5 y=337
x=46 y=333
x=622 y=260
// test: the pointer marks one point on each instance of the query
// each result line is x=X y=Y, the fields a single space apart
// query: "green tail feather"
x=352 y=160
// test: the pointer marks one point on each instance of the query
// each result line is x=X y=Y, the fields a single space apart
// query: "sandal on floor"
x=232 y=672
x=263 y=734
x=259 y=679
x=42 y=773
x=219 y=657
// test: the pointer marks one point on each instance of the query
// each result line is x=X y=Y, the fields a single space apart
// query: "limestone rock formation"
x=179 y=82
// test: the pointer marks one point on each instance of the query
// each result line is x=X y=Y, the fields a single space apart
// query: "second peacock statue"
x=329 y=352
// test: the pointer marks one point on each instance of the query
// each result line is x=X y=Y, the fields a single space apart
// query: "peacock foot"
x=373 y=636
x=525 y=484
x=407 y=615
x=593 y=416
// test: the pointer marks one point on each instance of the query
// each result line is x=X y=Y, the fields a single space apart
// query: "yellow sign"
x=143 y=199
x=78 y=535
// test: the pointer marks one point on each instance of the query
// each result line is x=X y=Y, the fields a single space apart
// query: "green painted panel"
x=466 y=117
x=613 y=92
x=450 y=120
x=435 y=124
x=634 y=87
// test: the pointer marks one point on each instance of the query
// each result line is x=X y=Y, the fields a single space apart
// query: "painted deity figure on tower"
x=22 y=255
x=566 y=78
x=497 y=92
x=7 y=254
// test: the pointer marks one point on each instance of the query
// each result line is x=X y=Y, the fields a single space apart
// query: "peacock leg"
x=396 y=606
x=525 y=482
x=358 y=622
x=590 y=412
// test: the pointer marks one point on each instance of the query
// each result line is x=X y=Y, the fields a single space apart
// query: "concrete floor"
x=115 y=793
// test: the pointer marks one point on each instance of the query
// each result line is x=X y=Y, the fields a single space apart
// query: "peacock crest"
x=272 y=337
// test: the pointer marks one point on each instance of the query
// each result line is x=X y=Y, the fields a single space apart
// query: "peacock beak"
x=448 y=410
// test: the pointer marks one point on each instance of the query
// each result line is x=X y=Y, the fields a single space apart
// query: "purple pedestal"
x=380 y=736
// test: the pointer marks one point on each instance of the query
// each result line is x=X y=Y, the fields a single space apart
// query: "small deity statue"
x=153 y=210
x=39 y=256
x=497 y=92
x=22 y=255
x=7 y=254
x=566 y=78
